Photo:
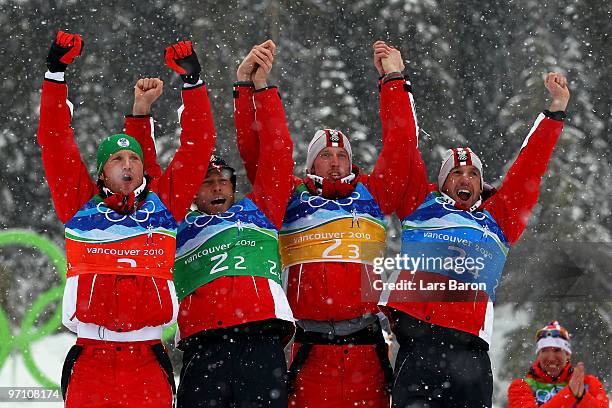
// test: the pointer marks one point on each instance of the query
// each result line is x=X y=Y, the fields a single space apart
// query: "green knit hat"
x=114 y=144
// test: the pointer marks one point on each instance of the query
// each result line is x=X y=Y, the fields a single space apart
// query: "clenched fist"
x=559 y=92
x=146 y=91
x=387 y=59
x=257 y=65
x=63 y=50
x=182 y=58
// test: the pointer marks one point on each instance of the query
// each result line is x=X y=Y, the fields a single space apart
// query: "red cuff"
x=396 y=83
x=265 y=96
x=242 y=90
x=193 y=94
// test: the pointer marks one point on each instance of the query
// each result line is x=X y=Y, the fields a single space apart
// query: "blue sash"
x=467 y=247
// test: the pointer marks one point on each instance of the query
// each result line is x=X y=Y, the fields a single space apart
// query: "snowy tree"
x=477 y=72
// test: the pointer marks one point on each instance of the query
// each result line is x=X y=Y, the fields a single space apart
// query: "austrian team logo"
x=462 y=155
x=123 y=142
x=334 y=137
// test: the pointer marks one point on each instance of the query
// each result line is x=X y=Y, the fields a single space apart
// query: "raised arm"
x=511 y=206
x=259 y=60
x=398 y=181
x=69 y=181
x=274 y=177
x=140 y=123
x=178 y=184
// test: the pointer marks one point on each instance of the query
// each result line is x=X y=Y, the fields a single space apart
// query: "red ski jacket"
x=510 y=206
x=232 y=300
x=538 y=389
x=333 y=291
x=119 y=306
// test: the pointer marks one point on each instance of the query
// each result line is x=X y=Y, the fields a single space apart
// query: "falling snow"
x=477 y=74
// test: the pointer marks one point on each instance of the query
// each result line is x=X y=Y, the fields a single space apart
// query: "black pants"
x=236 y=371
x=440 y=368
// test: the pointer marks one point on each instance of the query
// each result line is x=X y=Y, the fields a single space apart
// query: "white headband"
x=557 y=342
x=327 y=138
x=460 y=156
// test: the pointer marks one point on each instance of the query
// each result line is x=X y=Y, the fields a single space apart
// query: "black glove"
x=63 y=50
x=182 y=58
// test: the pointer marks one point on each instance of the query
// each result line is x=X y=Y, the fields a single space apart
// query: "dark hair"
x=218 y=164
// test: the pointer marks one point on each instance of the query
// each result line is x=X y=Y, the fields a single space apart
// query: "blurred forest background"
x=477 y=69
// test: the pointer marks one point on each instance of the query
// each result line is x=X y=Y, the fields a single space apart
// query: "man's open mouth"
x=464 y=195
x=218 y=201
x=126 y=177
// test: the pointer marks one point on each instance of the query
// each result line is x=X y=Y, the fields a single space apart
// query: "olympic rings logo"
x=315 y=201
x=544 y=395
x=141 y=215
x=204 y=219
x=32 y=329
x=480 y=216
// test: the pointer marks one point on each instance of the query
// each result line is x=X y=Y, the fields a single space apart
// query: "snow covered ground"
x=49 y=354
x=505 y=321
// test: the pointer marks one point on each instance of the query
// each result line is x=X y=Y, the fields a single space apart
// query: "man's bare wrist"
x=557 y=105
x=260 y=84
x=242 y=77
x=392 y=75
x=141 y=109
x=393 y=71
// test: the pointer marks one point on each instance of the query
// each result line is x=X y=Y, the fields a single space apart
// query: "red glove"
x=63 y=51
x=182 y=59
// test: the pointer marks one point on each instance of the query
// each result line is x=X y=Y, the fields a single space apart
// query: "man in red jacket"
x=120 y=240
x=455 y=239
x=333 y=229
x=552 y=381
x=234 y=319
